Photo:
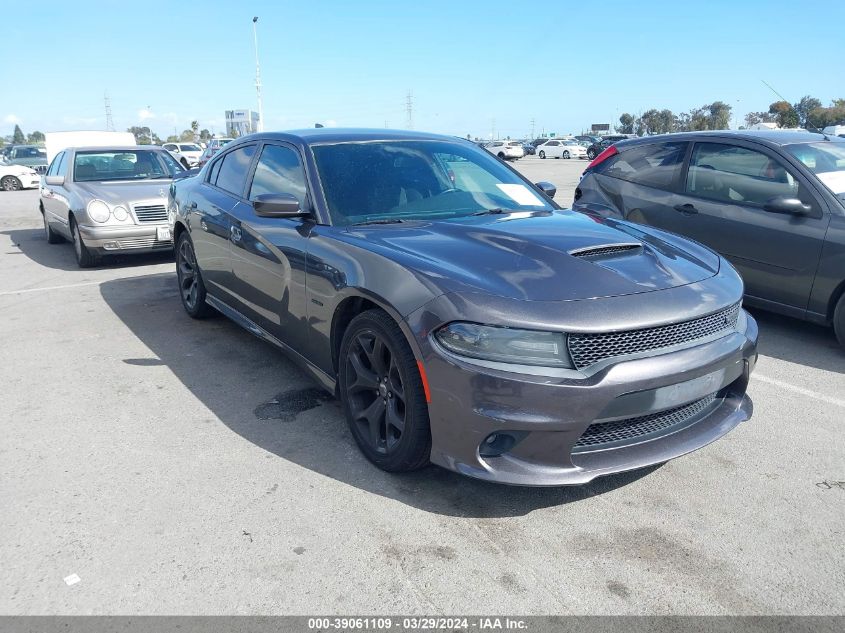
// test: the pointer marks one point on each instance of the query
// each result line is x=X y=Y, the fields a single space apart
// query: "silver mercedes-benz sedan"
x=108 y=200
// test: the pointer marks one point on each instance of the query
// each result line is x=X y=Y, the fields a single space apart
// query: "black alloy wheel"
x=382 y=394
x=191 y=287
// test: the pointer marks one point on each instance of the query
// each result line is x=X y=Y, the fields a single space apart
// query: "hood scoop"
x=603 y=250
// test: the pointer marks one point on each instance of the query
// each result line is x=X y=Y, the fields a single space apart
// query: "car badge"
x=161 y=192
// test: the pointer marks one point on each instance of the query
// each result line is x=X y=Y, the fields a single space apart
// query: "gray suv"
x=771 y=202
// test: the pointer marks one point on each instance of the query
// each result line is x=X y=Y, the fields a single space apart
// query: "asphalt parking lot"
x=186 y=467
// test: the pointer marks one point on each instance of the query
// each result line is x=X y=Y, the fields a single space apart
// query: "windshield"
x=105 y=165
x=416 y=180
x=826 y=161
x=188 y=147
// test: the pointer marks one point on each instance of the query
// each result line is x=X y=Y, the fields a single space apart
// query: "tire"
x=185 y=164
x=84 y=257
x=591 y=154
x=10 y=183
x=379 y=384
x=566 y=154
x=191 y=287
x=500 y=155
x=839 y=320
x=542 y=154
x=49 y=233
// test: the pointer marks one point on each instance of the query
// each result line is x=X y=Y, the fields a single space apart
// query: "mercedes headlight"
x=505 y=345
x=98 y=211
x=120 y=213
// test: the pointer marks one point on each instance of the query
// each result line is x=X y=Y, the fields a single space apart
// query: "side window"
x=61 y=167
x=736 y=174
x=651 y=165
x=279 y=171
x=233 y=169
x=54 y=166
x=215 y=169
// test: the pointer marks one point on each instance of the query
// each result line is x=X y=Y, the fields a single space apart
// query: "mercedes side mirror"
x=787 y=206
x=277 y=205
x=547 y=188
x=54 y=181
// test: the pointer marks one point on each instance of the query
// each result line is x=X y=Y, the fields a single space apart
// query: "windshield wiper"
x=382 y=221
x=496 y=211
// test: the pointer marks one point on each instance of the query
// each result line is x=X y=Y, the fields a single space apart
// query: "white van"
x=835 y=130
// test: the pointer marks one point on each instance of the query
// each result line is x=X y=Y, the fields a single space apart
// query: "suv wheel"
x=382 y=394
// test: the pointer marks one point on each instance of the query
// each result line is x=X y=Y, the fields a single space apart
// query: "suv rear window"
x=654 y=165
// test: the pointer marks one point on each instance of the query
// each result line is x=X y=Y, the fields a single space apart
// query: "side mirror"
x=787 y=206
x=277 y=205
x=547 y=188
x=54 y=181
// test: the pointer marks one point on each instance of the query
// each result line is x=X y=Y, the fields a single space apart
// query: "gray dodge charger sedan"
x=458 y=313
x=108 y=200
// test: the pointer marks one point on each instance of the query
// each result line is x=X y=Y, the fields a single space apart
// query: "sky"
x=478 y=67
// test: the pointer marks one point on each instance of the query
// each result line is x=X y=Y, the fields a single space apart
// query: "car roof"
x=767 y=137
x=340 y=135
x=113 y=148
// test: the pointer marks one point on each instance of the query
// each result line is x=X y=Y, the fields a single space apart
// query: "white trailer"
x=55 y=142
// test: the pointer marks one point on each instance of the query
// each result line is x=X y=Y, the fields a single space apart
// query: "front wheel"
x=84 y=257
x=591 y=154
x=566 y=154
x=382 y=394
x=10 y=183
x=542 y=154
x=191 y=287
x=839 y=320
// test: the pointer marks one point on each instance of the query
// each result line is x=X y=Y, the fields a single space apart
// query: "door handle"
x=686 y=209
x=235 y=234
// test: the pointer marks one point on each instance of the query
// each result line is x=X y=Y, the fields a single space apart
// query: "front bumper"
x=120 y=238
x=547 y=416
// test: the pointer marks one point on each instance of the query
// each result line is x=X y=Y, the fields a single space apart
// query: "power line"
x=532 y=129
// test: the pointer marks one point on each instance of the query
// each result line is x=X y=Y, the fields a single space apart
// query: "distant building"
x=240 y=122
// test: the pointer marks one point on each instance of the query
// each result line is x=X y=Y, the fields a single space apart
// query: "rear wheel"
x=591 y=154
x=84 y=257
x=49 y=233
x=542 y=154
x=184 y=163
x=839 y=320
x=10 y=183
x=382 y=394
x=191 y=287
x=566 y=153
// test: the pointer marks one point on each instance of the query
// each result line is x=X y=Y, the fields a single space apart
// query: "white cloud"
x=144 y=114
x=12 y=119
x=330 y=123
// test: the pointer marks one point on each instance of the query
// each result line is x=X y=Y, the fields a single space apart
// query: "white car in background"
x=557 y=148
x=186 y=153
x=506 y=150
x=16 y=177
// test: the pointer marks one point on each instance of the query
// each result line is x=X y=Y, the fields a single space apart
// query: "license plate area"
x=162 y=233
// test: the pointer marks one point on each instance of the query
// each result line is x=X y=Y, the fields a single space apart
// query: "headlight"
x=505 y=345
x=120 y=214
x=98 y=211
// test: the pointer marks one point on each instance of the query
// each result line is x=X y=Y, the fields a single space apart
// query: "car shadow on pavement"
x=259 y=394
x=799 y=342
x=33 y=244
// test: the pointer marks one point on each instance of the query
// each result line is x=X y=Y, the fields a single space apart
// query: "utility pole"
x=109 y=119
x=409 y=107
x=532 y=129
x=493 y=129
x=258 y=76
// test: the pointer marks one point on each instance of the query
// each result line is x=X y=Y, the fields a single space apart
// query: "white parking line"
x=79 y=285
x=805 y=392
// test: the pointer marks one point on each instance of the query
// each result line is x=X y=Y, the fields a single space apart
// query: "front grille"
x=151 y=213
x=588 y=349
x=603 y=433
x=610 y=249
x=144 y=242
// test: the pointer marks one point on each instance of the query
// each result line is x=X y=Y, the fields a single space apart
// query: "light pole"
x=258 y=76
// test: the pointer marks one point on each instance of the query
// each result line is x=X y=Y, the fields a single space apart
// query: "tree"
x=144 y=135
x=626 y=124
x=172 y=139
x=719 y=116
x=35 y=137
x=187 y=136
x=785 y=114
x=753 y=118
x=17 y=137
x=822 y=117
x=205 y=135
x=804 y=107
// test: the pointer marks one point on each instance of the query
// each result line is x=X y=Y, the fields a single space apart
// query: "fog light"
x=110 y=246
x=499 y=443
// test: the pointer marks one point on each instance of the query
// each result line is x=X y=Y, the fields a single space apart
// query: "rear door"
x=721 y=204
x=268 y=254
x=211 y=220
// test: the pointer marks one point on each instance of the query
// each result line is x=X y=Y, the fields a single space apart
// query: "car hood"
x=125 y=192
x=542 y=256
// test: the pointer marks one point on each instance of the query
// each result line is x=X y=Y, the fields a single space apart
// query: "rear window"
x=190 y=148
x=651 y=165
